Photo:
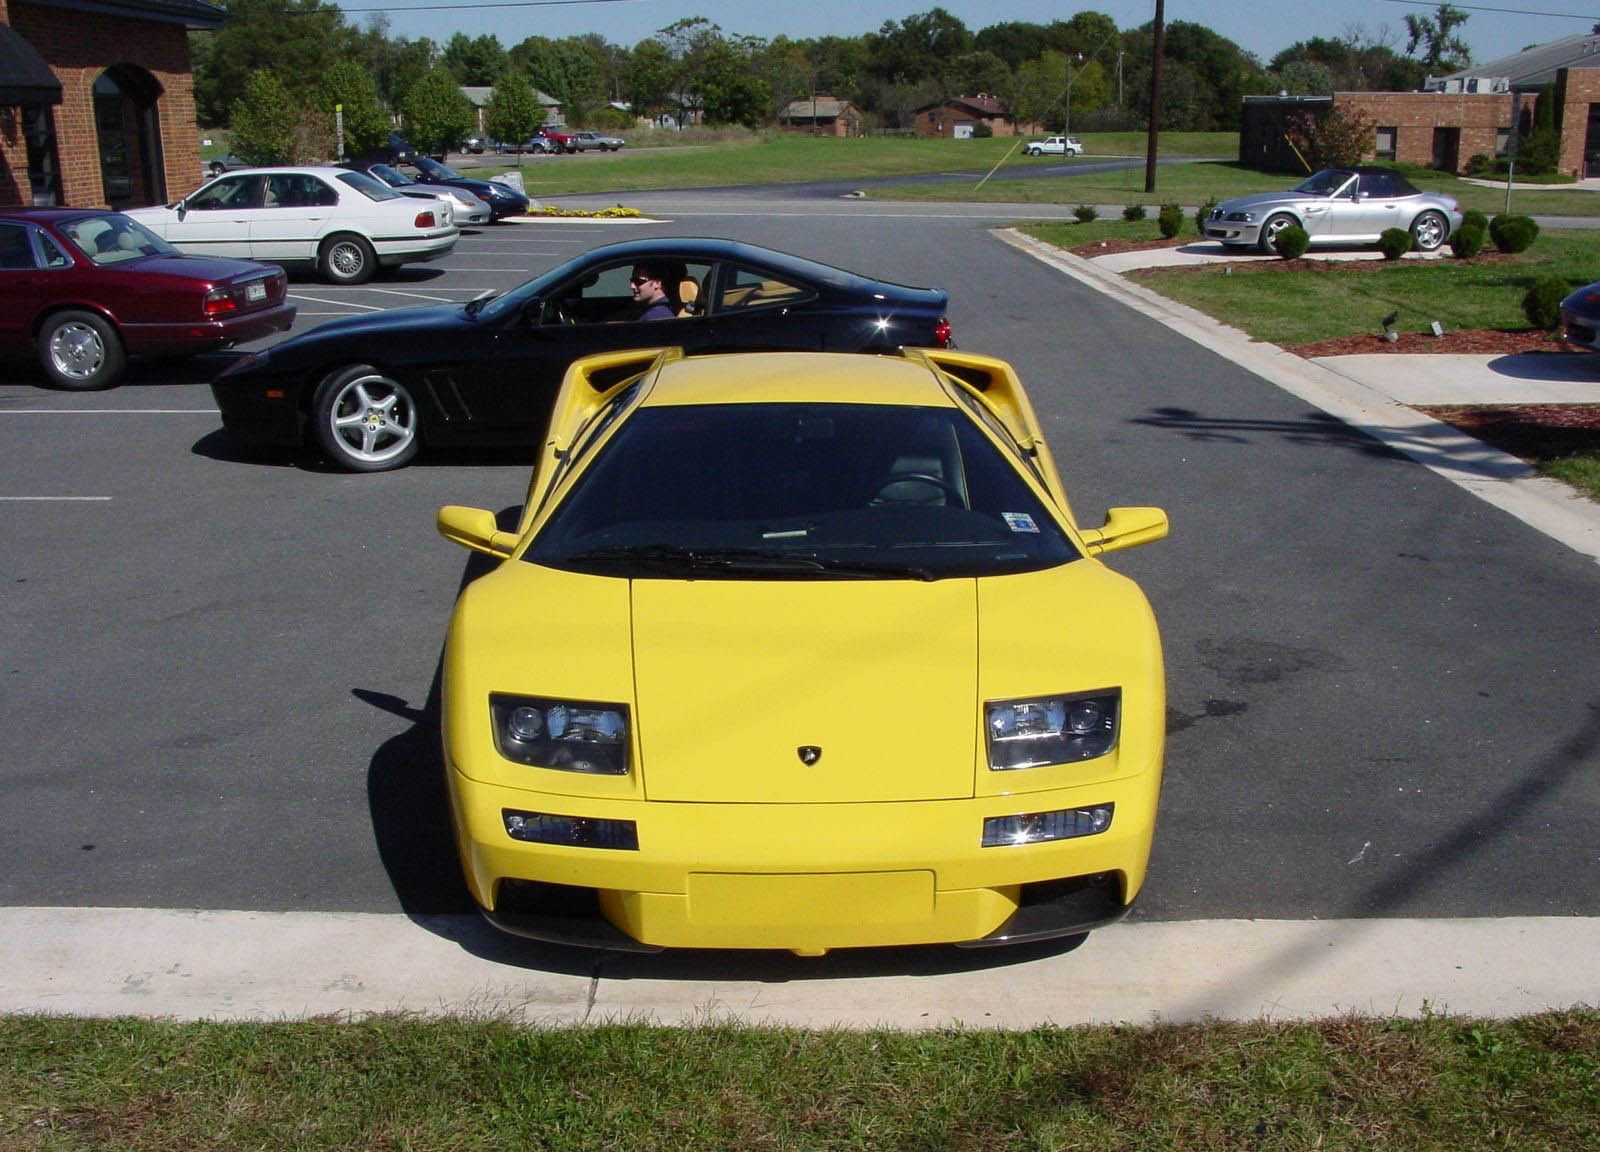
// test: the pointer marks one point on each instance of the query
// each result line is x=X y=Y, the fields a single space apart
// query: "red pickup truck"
x=558 y=136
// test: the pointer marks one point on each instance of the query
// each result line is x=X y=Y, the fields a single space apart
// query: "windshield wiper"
x=658 y=556
x=698 y=559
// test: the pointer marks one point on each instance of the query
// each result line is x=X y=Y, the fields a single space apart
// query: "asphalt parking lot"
x=218 y=667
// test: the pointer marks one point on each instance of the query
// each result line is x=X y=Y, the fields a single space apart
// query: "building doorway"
x=1447 y=149
x=128 y=129
x=1591 y=144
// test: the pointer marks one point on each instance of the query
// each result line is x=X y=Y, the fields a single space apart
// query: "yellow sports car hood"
x=741 y=684
x=796 y=691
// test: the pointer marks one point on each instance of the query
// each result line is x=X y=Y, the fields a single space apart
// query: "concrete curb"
x=1489 y=474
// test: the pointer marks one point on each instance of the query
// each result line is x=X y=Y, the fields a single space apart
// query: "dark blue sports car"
x=503 y=200
x=369 y=391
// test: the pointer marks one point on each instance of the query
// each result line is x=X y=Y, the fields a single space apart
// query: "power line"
x=1482 y=8
x=498 y=4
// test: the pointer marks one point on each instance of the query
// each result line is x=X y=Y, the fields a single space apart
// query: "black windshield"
x=800 y=491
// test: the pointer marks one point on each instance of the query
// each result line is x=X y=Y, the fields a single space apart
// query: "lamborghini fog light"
x=576 y=831
x=1038 y=827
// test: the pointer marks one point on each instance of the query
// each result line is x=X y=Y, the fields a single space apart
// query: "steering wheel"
x=955 y=494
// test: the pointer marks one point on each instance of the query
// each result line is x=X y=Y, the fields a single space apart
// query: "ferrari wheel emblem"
x=809 y=754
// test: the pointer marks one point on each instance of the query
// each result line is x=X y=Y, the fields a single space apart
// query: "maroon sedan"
x=85 y=289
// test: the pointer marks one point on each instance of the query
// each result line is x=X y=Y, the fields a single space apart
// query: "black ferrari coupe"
x=370 y=391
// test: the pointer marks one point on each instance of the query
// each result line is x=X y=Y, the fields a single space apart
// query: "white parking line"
x=335 y=303
x=413 y=295
x=54 y=499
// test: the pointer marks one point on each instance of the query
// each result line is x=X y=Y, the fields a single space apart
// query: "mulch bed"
x=1531 y=432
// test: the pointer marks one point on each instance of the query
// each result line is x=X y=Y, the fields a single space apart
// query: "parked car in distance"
x=369 y=391
x=473 y=144
x=465 y=207
x=503 y=200
x=344 y=224
x=1054 y=146
x=674 y=713
x=399 y=150
x=84 y=289
x=217 y=165
x=1337 y=206
x=1580 y=318
x=538 y=143
x=593 y=141
x=559 y=136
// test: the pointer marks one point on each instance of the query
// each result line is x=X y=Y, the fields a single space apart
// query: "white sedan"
x=347 y=224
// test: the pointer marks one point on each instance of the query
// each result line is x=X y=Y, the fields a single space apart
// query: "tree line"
x=277 y=68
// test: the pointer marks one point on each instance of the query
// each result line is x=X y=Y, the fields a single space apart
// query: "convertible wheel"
x=1429 y=230
x=79 y=350
x=365 y=421
x=1270 y=230
x=346 y=259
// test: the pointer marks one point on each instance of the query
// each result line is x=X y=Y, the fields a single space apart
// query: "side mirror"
x=1126 y=528
x=475 y=528
x=181 y=207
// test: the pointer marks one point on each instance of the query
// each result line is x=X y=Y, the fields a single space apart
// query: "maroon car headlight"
x=218 y=302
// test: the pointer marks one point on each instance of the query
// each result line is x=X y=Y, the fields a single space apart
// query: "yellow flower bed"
x=615 y=212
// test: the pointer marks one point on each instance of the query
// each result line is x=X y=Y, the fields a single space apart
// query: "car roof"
x=795 y=377
x=51 y=215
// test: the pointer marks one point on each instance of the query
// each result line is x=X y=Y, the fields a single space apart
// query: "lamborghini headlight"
x=1051 y=729
x=568 y=735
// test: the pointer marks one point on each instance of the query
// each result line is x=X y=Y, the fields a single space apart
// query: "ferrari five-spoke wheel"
x=80 y=350
x=1429 y=230
x=1270 y=230
x=365 y=421
x=346 y=259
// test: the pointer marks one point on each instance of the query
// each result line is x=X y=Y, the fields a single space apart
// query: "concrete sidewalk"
x=1375 y=393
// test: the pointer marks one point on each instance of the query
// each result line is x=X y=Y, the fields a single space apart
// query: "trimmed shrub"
x=1292 y=242
x=1394 y=243
x=1542 y=303
x=1481 y=164
x=1085 y=213
x=1170 y=220
x=1472 y=218
x=1468 y=240
x=1201 y=213
x=1513 y=233
x=1133 y=212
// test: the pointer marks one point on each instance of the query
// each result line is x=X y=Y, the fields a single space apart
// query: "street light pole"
x=1078 y=57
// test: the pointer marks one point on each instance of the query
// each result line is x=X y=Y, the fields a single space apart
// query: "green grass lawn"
x=1529 y=1085
x=787 y=159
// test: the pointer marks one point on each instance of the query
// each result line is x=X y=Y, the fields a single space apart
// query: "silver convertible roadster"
x=1338 y=206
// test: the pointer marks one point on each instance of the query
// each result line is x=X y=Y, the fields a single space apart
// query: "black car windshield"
x=1324 y=183
x=800 y=491
x=113 y=239
x=435 y=169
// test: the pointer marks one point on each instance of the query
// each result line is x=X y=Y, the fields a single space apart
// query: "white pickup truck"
x=1055 y=146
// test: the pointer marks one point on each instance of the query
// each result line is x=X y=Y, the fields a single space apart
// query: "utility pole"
x=1156 y=53
x=1078 y=58
x=1511 y=145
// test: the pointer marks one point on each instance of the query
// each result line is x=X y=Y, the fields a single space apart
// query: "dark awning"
x=24 y=76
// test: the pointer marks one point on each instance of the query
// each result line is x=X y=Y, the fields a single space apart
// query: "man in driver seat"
x=650 y=290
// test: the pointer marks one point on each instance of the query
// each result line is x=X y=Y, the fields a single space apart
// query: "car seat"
x=688 y=297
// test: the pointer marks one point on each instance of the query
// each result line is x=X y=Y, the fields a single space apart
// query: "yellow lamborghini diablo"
x=800 y=651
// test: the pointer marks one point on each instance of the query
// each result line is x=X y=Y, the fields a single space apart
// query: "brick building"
x=958 y=117
x=97 y=101
x=821 y=116
x=1465 y=114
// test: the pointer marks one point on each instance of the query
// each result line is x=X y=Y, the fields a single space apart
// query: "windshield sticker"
x=1019 y=521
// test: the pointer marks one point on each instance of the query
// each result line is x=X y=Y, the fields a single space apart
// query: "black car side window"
x=228 y=193
x=15 y=250
x=744 y=287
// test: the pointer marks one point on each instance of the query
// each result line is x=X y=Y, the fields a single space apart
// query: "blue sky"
x=1260 y=27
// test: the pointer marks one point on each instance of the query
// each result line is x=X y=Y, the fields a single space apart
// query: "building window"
x=44 y=174
x=1502 y=141
x=1385 y=143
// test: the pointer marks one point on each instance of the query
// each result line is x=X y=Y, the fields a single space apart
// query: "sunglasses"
x=640 y=279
